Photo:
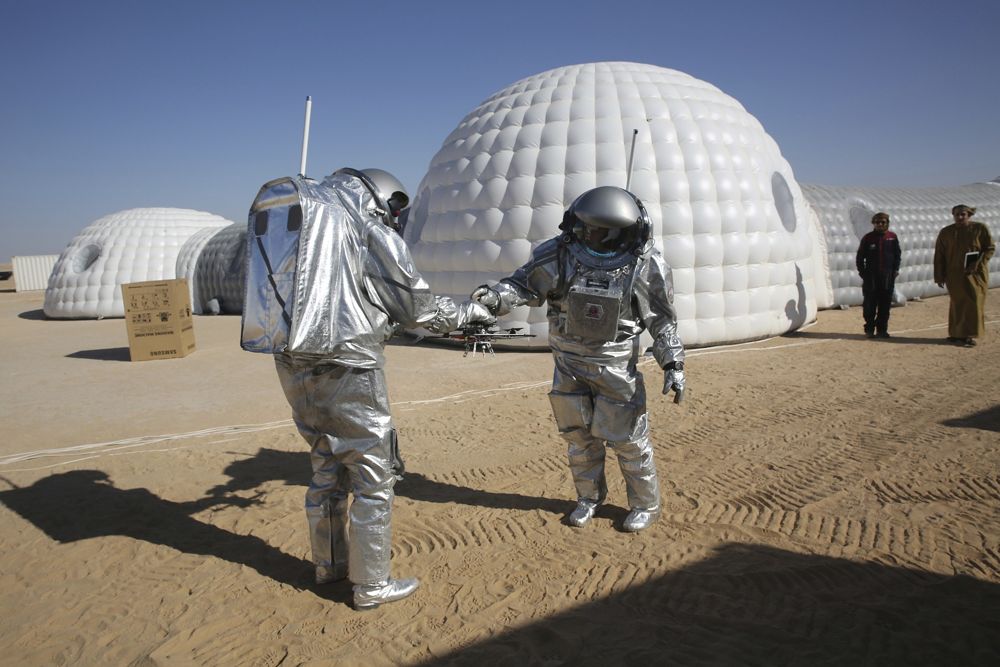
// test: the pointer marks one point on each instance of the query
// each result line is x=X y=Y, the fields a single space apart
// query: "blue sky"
x=111 y=105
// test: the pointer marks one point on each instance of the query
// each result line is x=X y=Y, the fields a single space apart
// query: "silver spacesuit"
x=339 y=278
x=604 y=283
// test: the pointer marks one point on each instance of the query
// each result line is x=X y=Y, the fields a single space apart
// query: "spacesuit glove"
x=487 y=296
x=470 y=312
x=674 y=380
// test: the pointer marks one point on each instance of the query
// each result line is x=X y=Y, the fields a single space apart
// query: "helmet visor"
x=397 y=202
x=605 y=240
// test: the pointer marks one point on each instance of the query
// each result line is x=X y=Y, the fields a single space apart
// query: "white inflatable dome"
x=915 y=214
x=125 y=247
x=747 y=253
x=220 y=270
x=188 y=259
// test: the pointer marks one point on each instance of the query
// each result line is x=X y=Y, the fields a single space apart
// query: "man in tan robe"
x=967 y=276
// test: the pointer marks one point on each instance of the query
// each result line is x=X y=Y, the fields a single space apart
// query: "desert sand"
x=828 y=500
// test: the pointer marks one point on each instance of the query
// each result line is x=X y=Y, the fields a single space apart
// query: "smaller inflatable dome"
x=220 y=271
x=125 y=247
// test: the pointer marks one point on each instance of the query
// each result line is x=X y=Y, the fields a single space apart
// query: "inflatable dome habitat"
x=747 y=252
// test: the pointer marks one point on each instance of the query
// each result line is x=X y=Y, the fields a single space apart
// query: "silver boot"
x=583 y=513
x=369 y=596
x=638 y=519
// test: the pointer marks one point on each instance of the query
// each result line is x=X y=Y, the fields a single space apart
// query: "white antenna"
x=631 y=154
x=305 y=137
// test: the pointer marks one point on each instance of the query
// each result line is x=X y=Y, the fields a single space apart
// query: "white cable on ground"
x=103 y=448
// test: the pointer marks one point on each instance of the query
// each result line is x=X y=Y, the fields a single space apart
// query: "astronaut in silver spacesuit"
x=604 y=283
x=368 y=284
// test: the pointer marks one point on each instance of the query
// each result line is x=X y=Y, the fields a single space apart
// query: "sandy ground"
x=828 y=500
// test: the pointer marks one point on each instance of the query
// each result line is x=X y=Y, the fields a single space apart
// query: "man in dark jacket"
x=878 y=262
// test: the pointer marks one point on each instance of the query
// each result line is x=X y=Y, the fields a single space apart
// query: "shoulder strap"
x=559 y=291
x=274 y=286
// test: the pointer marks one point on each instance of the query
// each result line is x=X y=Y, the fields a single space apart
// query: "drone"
x=480 y=337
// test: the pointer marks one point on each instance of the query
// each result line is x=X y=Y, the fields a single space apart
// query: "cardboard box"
x=158 y=319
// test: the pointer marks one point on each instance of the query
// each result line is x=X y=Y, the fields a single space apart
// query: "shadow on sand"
x=104 y=354
x=757 y=605
x=897 y=340
x=986 y=420
x=83 y=504
x=37 y=314
x=746 y=605
x=294 y=469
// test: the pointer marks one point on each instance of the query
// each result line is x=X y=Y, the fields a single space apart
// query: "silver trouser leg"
x=398 y=465
x=368 y=460
x=573 y=408
x=326 y=509
x=320 y=537
x=344 y=415
x=328 y=537
x=635 y=458
x=586 y=463
x=338 y=536
x=620 y=418
x=371 y=515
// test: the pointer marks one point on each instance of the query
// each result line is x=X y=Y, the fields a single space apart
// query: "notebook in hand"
x=971 y=258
